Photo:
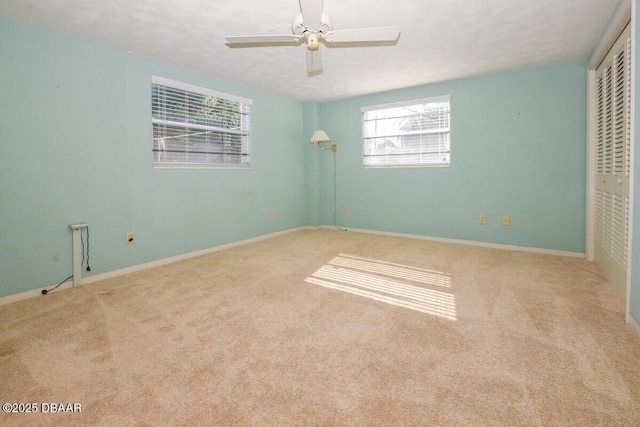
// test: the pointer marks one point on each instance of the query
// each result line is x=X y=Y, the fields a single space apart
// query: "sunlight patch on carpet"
x=414 y=288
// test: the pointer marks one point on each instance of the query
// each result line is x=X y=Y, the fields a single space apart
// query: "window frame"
x=406 y=104
x=244 y=132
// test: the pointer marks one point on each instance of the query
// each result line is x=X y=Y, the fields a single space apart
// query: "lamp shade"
x=319 y=136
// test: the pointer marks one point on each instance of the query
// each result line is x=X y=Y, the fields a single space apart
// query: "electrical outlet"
x=345 y=209
x=130 y=237
x=270 y=214
x=506 y=220
x=483 y=219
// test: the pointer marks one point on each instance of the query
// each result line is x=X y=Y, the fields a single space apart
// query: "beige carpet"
x=323 y=327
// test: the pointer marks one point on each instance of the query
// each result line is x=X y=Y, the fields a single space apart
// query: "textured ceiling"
x=439 y=40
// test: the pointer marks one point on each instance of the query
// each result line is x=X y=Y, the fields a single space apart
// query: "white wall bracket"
x=77 y=251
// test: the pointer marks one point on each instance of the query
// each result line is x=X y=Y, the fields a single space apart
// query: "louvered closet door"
x=613 y=115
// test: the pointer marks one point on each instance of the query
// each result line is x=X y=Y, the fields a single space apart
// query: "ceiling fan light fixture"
x=313 y=42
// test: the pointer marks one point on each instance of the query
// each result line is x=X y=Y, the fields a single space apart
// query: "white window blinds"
x=405 y=134
x=198 y=127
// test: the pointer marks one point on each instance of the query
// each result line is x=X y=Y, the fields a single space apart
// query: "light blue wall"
x=76 y=146
x=76 y=142
x=517 y=148
x=634 y=300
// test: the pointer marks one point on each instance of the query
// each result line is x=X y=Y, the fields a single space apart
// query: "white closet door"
x=613 y=118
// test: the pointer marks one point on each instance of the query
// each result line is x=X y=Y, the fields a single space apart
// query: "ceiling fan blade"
x=265 y=38
x=311 y=13
x=314 y=61
x=373 y=34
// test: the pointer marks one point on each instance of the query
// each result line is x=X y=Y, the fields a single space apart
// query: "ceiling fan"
x=313 y=25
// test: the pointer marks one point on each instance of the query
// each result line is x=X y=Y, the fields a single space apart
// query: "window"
x=198 y=127
x=410 y=133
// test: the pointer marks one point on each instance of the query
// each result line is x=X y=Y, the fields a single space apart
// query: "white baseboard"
x=140 y=267
x=163 y=261
x=464 y=242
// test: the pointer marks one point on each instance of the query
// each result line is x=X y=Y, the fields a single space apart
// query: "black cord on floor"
x=46 y=291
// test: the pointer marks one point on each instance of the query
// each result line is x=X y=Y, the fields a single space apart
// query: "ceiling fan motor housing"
x=313 y=42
